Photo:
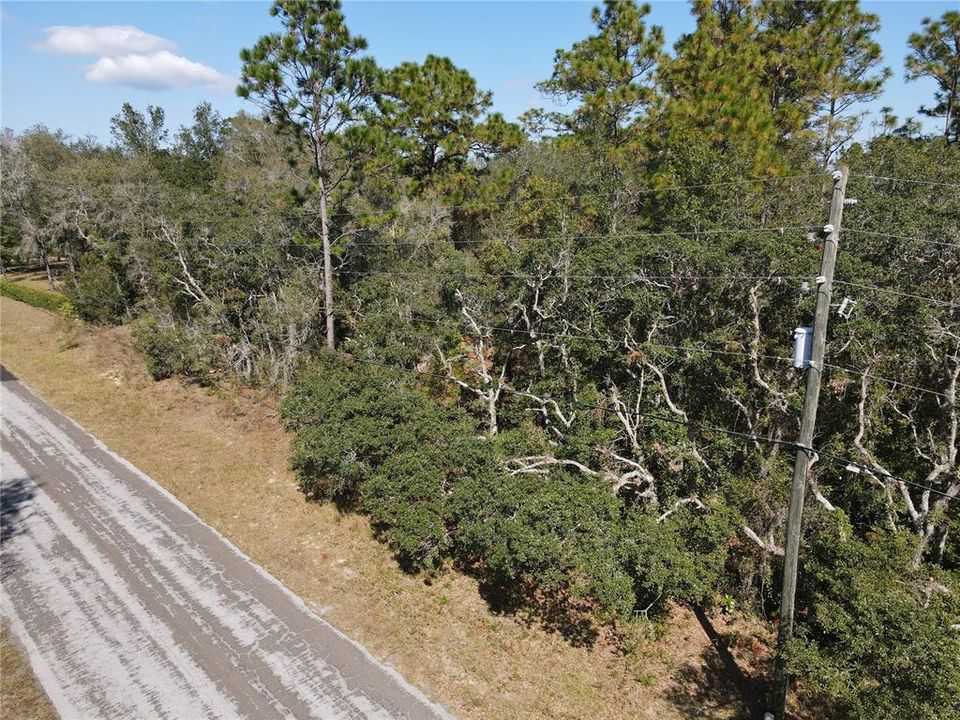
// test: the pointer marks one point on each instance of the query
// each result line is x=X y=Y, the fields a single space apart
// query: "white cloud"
x=103 y=41
x=156 y=71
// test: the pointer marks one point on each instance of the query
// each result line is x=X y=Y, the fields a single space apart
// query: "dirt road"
x=130 y=607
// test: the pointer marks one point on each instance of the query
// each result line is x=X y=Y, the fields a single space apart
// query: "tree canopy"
x=559 y=360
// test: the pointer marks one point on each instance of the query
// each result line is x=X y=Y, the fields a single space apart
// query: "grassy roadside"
x=21 y=697
x=225 y=456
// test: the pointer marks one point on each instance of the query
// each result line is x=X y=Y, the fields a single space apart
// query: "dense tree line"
x=554 y=353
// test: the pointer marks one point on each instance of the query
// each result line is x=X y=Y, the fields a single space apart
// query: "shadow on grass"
x=554 y=611
x=718 y=682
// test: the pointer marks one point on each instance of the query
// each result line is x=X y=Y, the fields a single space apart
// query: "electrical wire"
x=649 y=190
x=900 y=293
x=584 y=406
x=899 y=237
x=639 y=277
x=612 y=342
x=932 y=183
x=752 y=437
x=634 y=277
x=535 y=335
x=622 y=236
x=878 y=473
x=889 y=381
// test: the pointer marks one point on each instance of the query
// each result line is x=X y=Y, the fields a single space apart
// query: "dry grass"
x=225 y=455
x=21 y=697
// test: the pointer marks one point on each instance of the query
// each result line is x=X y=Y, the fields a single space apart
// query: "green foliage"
x=768 y=75
x=200 y=147
x=364 y=435
x=557 y=531
x=43 y=299
x=877 y=638
x=99 y=290
x=547 y=334
x=169 y=351
x=609 y=75
x=283 y=71
x=439 y=120
x=139 y=133
x=935 y=53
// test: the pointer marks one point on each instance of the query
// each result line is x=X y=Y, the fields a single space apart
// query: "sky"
x=71 y=65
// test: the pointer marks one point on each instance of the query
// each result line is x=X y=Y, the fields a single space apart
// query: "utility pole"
x=805 y=444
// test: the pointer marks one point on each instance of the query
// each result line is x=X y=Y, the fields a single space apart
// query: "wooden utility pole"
x=805 y=444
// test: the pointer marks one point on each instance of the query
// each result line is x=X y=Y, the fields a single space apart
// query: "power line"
x=612 y=236
x=640 y=277
x=860 y=467
x=585 y=406
x=648 y=190
x=635 y=277
x=889 y=381
x=900 y=237
x=933 y=183
x=874 y=288
x=752 y=437
x=534 y=335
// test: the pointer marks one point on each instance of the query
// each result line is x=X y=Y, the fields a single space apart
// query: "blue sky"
x=77 y=79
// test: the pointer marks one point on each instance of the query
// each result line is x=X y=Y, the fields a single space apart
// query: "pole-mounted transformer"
x=802 y=347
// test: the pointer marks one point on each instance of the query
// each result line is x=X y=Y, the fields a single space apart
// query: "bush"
x=681 y=558
x=559 y=531
x=43 y=299
x=408 y=496
x=99 y=290
x=874 y=637
x=368 y=437
x=168 y=351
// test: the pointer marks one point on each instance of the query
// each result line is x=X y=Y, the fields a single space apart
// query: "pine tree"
x=438 y=119
x=314 y=85
x=936 y=54
x=715 y=85
x=821 y=60
x=609 y=75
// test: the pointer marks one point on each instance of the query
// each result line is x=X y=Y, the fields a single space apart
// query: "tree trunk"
x=51 y=281
x=327 y=267
x=951 y=100
x=492 y=411
x=828 y=135
x=927 y=530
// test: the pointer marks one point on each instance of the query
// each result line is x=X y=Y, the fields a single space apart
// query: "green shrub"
x=559 y=531
x=43 y=299
x=99 y=290
x=875 y=637
x=369 y=437
x=408 y=496
x=681 y=558
x=168 y=351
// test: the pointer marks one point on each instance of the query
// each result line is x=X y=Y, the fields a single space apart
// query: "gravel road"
x=130 y=607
